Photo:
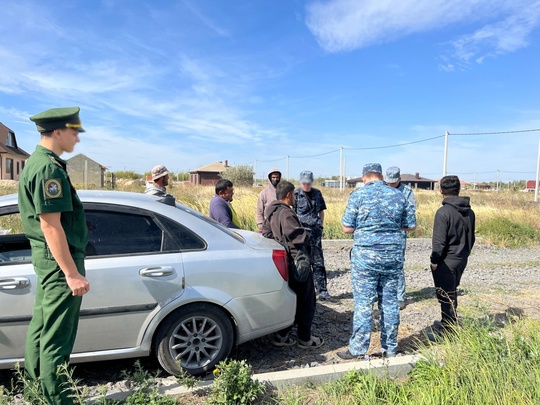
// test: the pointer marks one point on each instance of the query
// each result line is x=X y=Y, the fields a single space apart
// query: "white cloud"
x=508 y=35
x=346 y=25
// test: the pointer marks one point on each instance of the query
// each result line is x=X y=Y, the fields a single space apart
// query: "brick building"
x=12 y=158
x=207 y=175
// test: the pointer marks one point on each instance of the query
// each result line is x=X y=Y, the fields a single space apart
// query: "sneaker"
x=324 y=295
x=312 y=343
x=283 y=341
x=402 y=305
x=349 y=356
x=387 y=355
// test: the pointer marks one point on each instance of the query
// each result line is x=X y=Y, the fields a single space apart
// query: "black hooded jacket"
x=453 y=230
x=296 y=236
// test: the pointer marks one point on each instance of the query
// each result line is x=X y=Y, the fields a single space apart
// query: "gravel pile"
x=498 y=281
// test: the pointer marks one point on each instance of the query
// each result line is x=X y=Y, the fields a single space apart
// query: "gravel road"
x=497 y=281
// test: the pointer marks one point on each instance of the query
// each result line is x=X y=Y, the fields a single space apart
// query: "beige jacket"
x=265 y=198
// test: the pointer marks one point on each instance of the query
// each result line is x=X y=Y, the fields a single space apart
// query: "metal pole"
x=537 y=175
x=445 y=162
x=255 y=170
x=287 y=172
x=344 y=172
x=86 y=174
x=340 y=168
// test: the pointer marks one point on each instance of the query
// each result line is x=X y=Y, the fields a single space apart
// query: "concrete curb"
x=395 y=367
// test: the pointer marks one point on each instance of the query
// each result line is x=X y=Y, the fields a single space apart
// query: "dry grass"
x=508 y=219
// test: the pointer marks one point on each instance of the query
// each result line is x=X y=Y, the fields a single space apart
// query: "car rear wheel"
x=195 y=338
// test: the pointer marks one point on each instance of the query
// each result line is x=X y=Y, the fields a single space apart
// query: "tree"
x=241 y=175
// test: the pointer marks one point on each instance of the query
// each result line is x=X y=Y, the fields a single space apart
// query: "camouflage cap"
x=392 y=174
x=306 y=177
x=159 y=171
x=371 y=168
x=58 y=118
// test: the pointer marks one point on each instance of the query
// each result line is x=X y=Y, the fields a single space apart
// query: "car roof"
x=110 y=197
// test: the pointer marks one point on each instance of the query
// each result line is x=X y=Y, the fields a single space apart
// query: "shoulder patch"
x=52 y=188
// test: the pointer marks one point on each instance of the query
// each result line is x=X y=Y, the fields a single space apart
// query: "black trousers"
x=305 y=307
x=447 y=278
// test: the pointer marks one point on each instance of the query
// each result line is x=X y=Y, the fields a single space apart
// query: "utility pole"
x=445 y=161
x=255 y=170
x=344 y=172
x=341 y=168
x=537 y=175
x=497 y=180
x=287 y=169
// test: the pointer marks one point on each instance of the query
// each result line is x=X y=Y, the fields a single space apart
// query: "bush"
x=234 y=384
x=127 y=175
x=499 y=230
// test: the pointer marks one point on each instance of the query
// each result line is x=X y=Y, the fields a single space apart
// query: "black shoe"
x=397 y=353
x=349 y=356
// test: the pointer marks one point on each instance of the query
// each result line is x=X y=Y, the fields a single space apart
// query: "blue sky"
x=187 y=83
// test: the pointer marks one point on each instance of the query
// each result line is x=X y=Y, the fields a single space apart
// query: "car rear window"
x=210 y=221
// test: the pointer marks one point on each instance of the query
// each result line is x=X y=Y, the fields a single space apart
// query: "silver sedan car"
x=165 y=280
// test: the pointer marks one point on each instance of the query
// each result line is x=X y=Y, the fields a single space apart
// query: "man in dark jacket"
x=453 y=240
x=309 y=205
x=220 y=206
x=282 y=221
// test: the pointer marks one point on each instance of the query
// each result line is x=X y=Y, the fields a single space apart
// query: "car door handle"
x=16 y=283
x=161 y=271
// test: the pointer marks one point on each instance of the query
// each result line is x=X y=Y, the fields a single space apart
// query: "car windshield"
x=211 y=222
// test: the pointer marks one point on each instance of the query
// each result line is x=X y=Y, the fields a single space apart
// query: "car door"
x=134 y=267
x=17 y=284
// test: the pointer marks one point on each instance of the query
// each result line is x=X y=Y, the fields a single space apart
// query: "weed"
x=234 y=384
x=145 y=390
x=186 y=379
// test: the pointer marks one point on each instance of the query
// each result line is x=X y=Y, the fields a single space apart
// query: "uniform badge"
x=53 y=188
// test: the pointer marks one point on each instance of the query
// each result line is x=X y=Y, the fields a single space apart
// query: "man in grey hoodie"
x=267 y=196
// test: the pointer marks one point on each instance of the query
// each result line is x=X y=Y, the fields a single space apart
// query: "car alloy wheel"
x=195 y=338
x=196 y=342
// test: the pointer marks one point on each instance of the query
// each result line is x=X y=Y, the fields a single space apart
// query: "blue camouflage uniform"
x=409 y=195
x=378 y=214
x=307 y=207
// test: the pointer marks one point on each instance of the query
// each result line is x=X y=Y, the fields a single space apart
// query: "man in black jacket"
x=452 y=242
x=281 y=221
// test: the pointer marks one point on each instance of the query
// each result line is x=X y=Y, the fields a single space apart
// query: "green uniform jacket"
x=45 y=187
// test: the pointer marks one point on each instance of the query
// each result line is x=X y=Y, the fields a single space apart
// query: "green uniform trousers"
x=52 y=330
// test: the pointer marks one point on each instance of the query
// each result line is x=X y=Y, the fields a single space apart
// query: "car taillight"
x=280 y=260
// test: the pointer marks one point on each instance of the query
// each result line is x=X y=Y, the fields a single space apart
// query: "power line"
x=396 y=145
x=495 y=133
x=318 y=154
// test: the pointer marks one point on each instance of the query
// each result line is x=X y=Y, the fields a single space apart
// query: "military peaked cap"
x=58 y=118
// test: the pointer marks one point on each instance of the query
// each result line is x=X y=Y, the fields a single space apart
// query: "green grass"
x=482 y=364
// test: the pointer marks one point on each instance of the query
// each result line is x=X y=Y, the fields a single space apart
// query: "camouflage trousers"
x=401 y=286
x=368 y=283
x=317 y=259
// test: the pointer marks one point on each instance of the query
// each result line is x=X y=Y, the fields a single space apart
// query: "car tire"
x=196 y=337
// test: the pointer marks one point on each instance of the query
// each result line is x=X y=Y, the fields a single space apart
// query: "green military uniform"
x=45 y=187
